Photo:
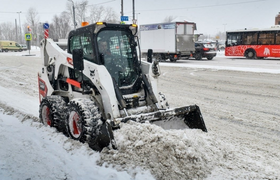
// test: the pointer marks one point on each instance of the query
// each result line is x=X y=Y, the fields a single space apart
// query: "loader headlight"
x=133 y=28
x=99 y=25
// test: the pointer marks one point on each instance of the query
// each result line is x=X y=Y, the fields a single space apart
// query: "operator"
x=109 y=59
x=103 y=47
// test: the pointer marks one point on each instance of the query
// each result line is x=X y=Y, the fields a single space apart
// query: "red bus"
x=256 y=43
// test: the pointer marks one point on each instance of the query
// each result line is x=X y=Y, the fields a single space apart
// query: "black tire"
x=172 y=59
x=158 y=57
x=85 y=124
x=250 y=54
x=198 y=56
x=163 y=57
x=210 y=57
x=52 y=112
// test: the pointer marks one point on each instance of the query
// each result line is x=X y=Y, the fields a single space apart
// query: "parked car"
x=204 y=49
x=24 y=47
x=222 y=45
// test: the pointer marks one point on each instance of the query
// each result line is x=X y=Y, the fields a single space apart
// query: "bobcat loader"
x=86 y=92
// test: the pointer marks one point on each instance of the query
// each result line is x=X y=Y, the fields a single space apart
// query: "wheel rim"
x=46 y=116
x=75 y=124
x=250 y=54
x=158 y=57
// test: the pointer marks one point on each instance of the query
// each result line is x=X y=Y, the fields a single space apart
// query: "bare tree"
x=81 y=11
x=169 y=18
x=7 y=31
x=32 y=19
x=1 y=32
x=96 y=13
x=110 y=15
x=100 y=13
x=90 y=13
x=69 y=10
x=60 y=26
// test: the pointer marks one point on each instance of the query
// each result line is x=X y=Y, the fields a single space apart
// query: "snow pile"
x=168 y=154
x=30 y=150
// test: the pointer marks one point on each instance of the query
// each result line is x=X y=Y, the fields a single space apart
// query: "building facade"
x=277 y=19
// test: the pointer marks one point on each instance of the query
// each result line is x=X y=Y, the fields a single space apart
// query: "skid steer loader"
x=100 y=82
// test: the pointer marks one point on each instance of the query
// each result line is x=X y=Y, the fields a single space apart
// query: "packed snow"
x=29 y=150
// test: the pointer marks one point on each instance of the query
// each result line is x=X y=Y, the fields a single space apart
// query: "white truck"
x=171 y=40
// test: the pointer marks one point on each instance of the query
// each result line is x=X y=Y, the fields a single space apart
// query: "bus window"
x=277 y=38
x=234 y=39
x=266 y=38
x=250 y=38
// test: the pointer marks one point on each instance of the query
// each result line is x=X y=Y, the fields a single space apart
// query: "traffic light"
x=28 y=28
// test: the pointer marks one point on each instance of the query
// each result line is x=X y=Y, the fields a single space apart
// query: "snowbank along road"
x=240 y=109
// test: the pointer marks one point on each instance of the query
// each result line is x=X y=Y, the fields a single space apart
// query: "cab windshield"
x=117 y=51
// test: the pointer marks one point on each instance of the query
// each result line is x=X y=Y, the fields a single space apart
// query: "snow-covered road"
x=239 y=100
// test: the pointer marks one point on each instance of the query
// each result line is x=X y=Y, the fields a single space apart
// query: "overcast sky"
x=210 y=16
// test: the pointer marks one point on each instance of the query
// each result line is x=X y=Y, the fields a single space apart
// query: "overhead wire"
x=205 y=6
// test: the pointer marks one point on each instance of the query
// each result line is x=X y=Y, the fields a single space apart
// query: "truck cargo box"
x=171 y=40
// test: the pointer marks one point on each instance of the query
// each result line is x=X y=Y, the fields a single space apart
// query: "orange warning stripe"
x=73 y=82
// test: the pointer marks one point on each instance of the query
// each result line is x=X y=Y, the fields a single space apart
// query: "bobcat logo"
x=92 y=72
x=266 y=51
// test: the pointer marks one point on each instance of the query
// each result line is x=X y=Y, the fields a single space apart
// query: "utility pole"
x=224 y=27
x=122 y=8
x=16 y=30
x=225 y=31
x=133 y=7
x=20 y=40
x=74 y=20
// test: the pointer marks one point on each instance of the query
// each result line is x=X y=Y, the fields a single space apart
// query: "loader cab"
x=117 y=52
x=111 y=45
x=82 y=39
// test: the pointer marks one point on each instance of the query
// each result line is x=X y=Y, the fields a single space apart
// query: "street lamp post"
x=16 y=30
x=224 y=27
x=225 y=30
x=74 y=20
x=19 y=27
x=137 y=18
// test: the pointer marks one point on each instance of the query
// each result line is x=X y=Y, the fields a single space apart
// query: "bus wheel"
x=250 y=54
